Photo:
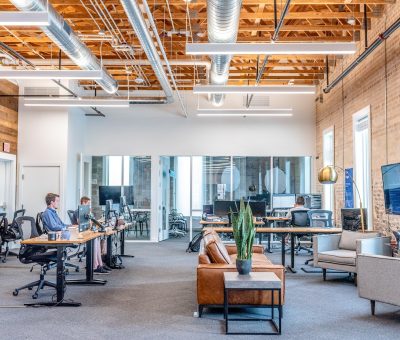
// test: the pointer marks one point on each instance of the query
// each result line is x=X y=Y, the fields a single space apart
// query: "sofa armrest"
x=378 y=278
x=374 y=246
x=231 y=248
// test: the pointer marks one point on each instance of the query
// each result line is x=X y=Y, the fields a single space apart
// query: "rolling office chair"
x=300 y=219
x=43 y=230
x=35 y=254
x=10 y=233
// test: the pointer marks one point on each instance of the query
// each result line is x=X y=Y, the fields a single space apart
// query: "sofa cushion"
x=339 y=256
x=257 y=259
x=348 y=239
x=215 y=249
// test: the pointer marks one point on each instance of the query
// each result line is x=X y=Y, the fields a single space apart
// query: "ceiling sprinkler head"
x=139 y=80
x=351 y=21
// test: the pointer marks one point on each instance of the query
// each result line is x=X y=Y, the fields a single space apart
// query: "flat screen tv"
x=108 y=192
x=391 y=188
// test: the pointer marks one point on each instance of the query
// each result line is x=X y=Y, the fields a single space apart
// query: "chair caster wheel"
x=66 y=271
x=34 y=296
x=15 y=292
x=77 y=270
x=4 y=260
x=30 y=288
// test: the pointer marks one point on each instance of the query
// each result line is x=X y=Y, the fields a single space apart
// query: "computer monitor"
x=258 y=208
x=127 y=191
x=312 y=201
x=283 y=201
x=351 y=219
x=84 y=214
x=122 y=204
x=109 y=208
x=208 y=209
x=108 y=192
x=223 y=208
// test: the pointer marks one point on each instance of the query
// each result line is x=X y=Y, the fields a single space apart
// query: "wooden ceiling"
x=179 y=22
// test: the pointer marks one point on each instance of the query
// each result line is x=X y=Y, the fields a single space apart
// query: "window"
x=328 y=155
x=362 y=160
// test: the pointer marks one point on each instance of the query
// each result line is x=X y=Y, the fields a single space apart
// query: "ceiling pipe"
x=64 y=36
x=222 y=25
x=275 y=37
x=26 y=61
x=383 y=36
x=137 y=21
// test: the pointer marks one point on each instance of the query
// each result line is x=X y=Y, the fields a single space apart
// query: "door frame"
x=62 y=209
x=12 y=179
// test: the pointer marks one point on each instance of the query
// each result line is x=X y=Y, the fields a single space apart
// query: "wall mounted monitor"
x=108 y=192
x=283 y=201
x=391 y=188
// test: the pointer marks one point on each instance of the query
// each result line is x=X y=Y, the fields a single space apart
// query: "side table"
x=254 y=281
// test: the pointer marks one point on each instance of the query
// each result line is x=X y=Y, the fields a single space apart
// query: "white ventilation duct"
x=223 y=24
x=63 y=35
x=142 y=32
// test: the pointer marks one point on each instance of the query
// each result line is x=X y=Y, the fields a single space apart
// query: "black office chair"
x=18 y=213
x=42 y=229
x=300 y=219
x=40 y=255
x=9 y=233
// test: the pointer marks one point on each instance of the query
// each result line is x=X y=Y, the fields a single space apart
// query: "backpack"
x=194 y=244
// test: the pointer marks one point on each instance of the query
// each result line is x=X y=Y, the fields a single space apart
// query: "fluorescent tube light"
x=51 y=74
x=244 y=114
x=75 y=102
x=24 y=18
x=270 y=48
x=243 y=109
x=283 y=89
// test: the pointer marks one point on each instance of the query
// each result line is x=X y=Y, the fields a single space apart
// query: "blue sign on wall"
x=348 y=188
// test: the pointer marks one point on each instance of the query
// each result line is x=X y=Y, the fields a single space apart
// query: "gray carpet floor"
x=155 y=296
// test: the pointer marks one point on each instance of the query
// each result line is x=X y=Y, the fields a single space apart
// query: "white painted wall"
x=56 y=136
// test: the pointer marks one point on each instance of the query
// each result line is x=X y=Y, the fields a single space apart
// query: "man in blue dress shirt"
x=51 y=220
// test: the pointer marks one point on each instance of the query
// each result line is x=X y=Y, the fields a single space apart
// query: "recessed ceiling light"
x=351 y=21
x=101 y=32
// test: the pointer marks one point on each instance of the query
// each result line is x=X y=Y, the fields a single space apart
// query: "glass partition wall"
x=195 y=181
x=133 y=172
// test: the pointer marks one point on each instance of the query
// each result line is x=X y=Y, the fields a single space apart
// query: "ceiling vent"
x=258 y=101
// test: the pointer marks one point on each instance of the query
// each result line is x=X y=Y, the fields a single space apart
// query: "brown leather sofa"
x=215 y=258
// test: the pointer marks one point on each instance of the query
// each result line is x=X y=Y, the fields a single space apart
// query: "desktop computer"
x=283 y=201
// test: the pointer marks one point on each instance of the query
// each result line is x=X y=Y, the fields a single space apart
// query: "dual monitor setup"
x=108 y=195
x=258 y=208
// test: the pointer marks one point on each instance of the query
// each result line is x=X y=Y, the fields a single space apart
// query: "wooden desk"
x=292 y=231
x=75 y=238
x=220 y=223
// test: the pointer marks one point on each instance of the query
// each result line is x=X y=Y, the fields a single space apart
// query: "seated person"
x=299 y=205
x=51 y=220
x=100 y=267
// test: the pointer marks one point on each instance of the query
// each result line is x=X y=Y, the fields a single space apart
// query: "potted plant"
x=243 y=232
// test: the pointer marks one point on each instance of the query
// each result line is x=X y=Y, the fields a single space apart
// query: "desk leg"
x=292 y=246
x=89 y=269
x=283 y=249
x=122 y=240
x=109 y=251
x=60 y=284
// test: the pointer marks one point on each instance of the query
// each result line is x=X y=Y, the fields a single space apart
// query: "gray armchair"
x=379 y=279
x=339 y=251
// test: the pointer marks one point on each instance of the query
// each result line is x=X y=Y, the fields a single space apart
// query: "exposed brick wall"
x=375 y=82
